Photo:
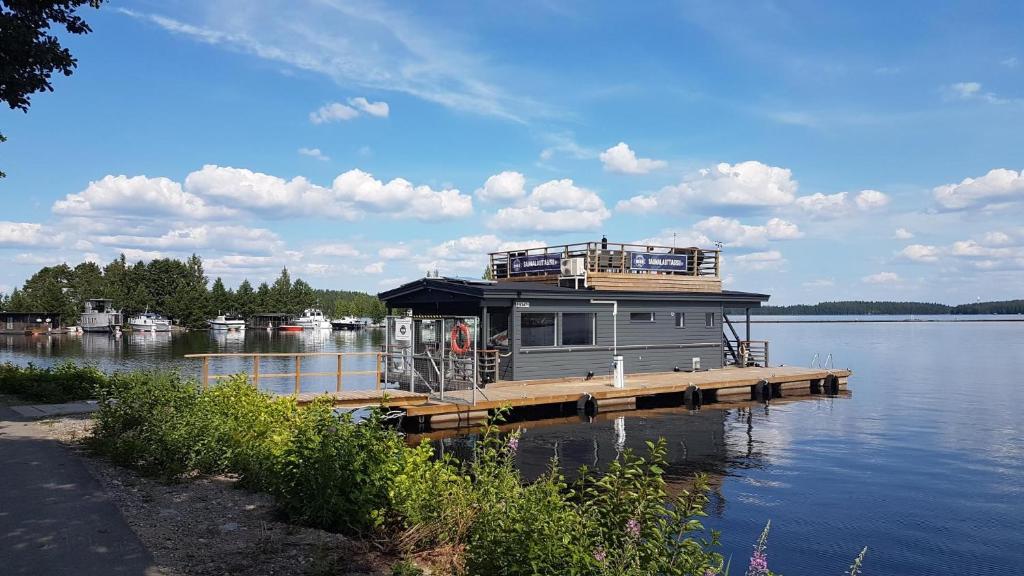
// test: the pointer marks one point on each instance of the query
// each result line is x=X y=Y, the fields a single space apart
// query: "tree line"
x=862 y=308
x=178 y=289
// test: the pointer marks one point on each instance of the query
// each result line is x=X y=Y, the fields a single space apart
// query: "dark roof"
x=510 y=290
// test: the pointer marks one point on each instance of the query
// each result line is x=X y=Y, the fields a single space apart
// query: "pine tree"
x=245 y=299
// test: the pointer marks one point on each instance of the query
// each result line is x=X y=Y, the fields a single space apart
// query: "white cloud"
x=1011 y=62
x=997 y=186
x=820 y=283
x=339 y=250
x=506 y=185
x=239 y=238
x=768 y=260
x=26 y=234
x=313 y=153
x=378 y=109
x=681 y=238
x=394 y=252
x=748 y=183
x=374 y=268
x=468 y=254
x=902 y=234
x=971 y=91
x=882 y=278
x=269 y=195
x=135 y=255
x=871 y=200
x=554 y=206
x=122 y=196
x=920 y=253
x=997 y=239
x=333 y=112
x=830 y=205
x=565 y=144
x=399 y=198
x=733 y=233
x=620 y=158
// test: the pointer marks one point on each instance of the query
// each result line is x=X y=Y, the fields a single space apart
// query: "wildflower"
x=710 y=572
x=599 y=554
x=633 y=528
x=758 y=564
x=513 y=444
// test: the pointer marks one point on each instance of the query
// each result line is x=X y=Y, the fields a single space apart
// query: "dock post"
x=341 y=356
x=298 y=375
x=256 y=370
x=206 y=372
x=377 y=382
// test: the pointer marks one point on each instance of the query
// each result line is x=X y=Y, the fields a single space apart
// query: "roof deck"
x=613 y=266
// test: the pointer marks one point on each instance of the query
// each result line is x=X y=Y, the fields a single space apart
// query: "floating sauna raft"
x=709 y=386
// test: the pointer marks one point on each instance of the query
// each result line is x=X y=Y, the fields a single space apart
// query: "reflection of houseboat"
x=348 y=323
x=29 y=322
x=223 y=322
x=100 y=316
x=313 y=319
x=149 y=322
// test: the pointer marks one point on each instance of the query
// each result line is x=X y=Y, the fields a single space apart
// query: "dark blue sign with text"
x=663 y=262
x=536 y=263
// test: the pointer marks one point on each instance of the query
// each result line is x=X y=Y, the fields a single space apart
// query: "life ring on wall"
x=460 y=329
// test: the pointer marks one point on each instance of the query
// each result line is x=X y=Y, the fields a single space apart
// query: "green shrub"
x=64 y=382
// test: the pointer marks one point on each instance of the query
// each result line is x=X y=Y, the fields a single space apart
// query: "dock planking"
x=733 y=381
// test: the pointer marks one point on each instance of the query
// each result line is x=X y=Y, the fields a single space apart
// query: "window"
x=709 y=320
x=578 y=329
x=538 y=329
x=641 y=316
x=680 y=320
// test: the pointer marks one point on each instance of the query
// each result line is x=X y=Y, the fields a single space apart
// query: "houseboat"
x=30 y=323
x=149 y=322
x=100 y=316
x=222 y=322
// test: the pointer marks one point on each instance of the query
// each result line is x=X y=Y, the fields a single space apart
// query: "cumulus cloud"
x=338 y=249
x=750 y=183
x=394 y=252
x=468 y=254
x=333 y=112
x=399 y=198
x=680 y=238
x=971 y=91
x=26 y=234
x=124 y=196
x=871 y=200
x=554 y=206
x=620 y=158
x=882 y=278
x=733 y=233
x=269 y=195
x=996 y=187
x=378 y=109
x=902 y=234
x=313 y=153
x=503 y=186
x=920 y=253
x=767 y=260
x=192 y=238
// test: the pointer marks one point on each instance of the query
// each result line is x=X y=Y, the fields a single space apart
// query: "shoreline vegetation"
x=870 y=308
x=177 y=289
x=359 y=478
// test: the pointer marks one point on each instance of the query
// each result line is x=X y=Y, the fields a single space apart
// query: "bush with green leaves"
x=65 y=382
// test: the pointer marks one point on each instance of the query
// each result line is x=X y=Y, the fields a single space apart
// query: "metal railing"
x=256 y=373
x=606 y=257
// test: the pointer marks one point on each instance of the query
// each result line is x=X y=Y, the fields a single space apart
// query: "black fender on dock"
x=586 y=405
x=763 y=391
x=692 y=397
x=830 y=385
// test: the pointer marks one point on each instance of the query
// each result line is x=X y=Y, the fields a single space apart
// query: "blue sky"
x=864 y=150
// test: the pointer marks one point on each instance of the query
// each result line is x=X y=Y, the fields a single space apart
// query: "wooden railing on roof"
x=615 y=265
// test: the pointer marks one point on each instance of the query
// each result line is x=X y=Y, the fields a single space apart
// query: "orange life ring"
x=460 y=328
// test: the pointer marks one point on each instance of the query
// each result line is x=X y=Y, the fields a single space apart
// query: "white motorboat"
x=149 y=322
x=100 y=316
x=348 y=323
x=223 y=322
x=313 y=319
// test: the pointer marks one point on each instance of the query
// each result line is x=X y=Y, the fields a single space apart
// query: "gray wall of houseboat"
x=657 y=346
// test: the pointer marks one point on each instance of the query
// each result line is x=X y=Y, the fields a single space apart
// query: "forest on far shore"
x=177 y=289
x=862 y=308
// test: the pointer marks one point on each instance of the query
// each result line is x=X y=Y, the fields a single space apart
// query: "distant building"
x=29 y=322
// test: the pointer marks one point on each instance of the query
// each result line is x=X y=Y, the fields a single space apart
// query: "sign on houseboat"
x=403 y=329
x=537 y=263
x=664 y=262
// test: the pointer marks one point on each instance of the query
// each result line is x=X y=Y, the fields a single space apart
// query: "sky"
x=869 y=150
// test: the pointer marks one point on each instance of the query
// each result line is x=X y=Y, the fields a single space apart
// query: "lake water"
x=923 y=463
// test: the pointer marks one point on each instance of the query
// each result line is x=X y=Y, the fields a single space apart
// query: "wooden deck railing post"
x=340 y=356
x=206 y=372
x=298 y=375
x=256 y=370
x=377 y=382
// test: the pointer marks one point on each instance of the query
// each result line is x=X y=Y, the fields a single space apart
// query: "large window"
x=538 y=329
x=641 y=316
x=577 y=329
x=680 y=320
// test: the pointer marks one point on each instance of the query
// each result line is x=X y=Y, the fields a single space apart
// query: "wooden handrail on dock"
x=296 y=357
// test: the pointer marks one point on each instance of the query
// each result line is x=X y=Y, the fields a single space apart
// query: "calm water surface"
x=923 y=463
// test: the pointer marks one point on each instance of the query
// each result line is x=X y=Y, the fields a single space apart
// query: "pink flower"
x=633 y=528
x=513 y=444
x=758 y=564
x=599 y=554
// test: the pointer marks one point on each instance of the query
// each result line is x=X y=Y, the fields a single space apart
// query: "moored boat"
x=313 y=319
x=149 y=322
x=348 y=323
x=290 y=328
x=100 y=316
x=223 y=322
